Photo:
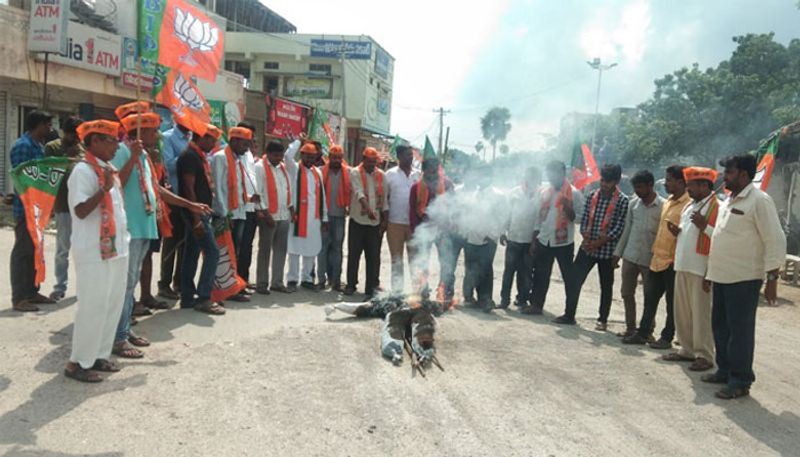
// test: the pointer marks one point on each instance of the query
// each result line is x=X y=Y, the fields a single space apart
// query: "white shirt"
x=249 y=163
x=219 y=172
x=687 y=259
x=748 y=240
x=547 y=228
x=641 y=226
x=85 y=239
x=487 y=216
x=397 y=186
x=281 y=184
x=522 y=215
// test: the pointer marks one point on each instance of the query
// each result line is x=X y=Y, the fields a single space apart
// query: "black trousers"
x=658 y=284
x=581 y=268
x=479 y=275
x=172 y=251
x=520 y=263
x=246 y=228
x=543 y=268
x=733 y=319
x=364 y=239
x=23 y=267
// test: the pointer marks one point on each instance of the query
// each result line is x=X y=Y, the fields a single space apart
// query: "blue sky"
x=530 y=55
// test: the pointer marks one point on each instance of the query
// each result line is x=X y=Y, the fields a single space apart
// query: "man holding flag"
x=336 y=178
x=27 y=255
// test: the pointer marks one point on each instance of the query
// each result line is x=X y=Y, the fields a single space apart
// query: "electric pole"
x=598 y=65
x=442 y=112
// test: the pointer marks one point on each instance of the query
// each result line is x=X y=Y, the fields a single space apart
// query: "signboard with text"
x=383 y=63
x=308 y=87
x=286 y=119
x=354 y=50
x=130 y=77
x=91 y=49
x=48 y=26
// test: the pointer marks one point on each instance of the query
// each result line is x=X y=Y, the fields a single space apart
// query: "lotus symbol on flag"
x=198 y=35
x=184 y=93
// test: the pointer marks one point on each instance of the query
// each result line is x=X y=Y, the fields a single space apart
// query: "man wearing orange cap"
x=143 y=207
x=692 y=301
x=365 y=229
x=228 y=171
x=99 y=249
x=310 y=218
x=336 y=178
x=244 y=250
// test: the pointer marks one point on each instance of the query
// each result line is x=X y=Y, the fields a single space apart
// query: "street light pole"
x=598 y=65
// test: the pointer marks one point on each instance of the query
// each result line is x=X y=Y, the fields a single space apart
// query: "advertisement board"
x=308 y=87
x=354 y=50
x=48 y=26
x=91 y=49
x=130 y=77
x=286 y=119
x=383 y=63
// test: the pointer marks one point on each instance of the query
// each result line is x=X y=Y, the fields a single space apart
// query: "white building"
x=349 y=76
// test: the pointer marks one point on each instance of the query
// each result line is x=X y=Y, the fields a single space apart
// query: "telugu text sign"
x=48 y=26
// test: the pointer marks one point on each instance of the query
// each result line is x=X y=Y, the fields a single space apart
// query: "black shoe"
x=661 y=344
x=487 y=306
x=635 y=339
x=729 y=393
x=349 y=290
x=714 y=378
x=291 y=287
x=504 y=304
x=532 y=310
x=564 y=320
x=167 y=293
x=310 y=286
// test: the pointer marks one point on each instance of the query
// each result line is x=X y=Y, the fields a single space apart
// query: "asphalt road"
x=275 y=377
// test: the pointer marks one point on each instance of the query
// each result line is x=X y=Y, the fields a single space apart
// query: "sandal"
x=209 y=308
x=152 y=303
x=40 y=299
x=126 y=351
x=25 y=306
x=140 y=310
x=82 y=375
x=729 y=393
x=106 y=366
x=677 y=357
x=701 y=364
x=137 y=340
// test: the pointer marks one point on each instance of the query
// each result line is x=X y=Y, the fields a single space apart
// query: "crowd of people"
x=129 y=195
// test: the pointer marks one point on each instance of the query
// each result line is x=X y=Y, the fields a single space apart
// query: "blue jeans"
x=191 y=255
x=136 y=253
x=63 y=234
x=733 y=319
x=330 y=257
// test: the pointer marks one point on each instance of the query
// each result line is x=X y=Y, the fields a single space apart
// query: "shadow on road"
x=159 y=327
x=16 y=451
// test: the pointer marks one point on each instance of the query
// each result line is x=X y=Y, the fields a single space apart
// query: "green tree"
x=495 y=126
x=504 y=149
x=480 y=147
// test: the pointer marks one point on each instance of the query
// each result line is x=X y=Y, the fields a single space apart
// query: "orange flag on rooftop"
x=184 y=100
x=189 y=41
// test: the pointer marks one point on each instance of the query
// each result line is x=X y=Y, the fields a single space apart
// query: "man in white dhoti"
x=310 y=217
x=100 y=248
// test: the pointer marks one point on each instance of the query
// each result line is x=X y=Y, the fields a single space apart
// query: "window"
x=321 y=69
x=241 y=68
x=271 y=85
x=271 y=66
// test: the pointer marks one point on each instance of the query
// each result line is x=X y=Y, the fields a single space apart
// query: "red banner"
x=287 y=119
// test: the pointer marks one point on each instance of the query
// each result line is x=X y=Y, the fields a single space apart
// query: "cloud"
x=618 y=36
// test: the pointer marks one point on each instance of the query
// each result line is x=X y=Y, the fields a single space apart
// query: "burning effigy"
x=409 y=325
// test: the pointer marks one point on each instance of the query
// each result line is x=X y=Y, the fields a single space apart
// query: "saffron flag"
x=584 y=168
x=37 y=183
x=227 y=281
x=188 y=106
x=766 y=156
x=181 y=36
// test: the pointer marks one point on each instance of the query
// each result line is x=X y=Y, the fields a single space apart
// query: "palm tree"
x=504 y=149
x=495 y=126
x=480 y=147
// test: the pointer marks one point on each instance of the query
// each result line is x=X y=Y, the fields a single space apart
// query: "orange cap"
x=131 y=108
x=370 y=153
x=214 y=131
x=699 y=173
x=240 y=132
x=99 y=126
x=148 y=121
x=336 y=150
x=308 y=148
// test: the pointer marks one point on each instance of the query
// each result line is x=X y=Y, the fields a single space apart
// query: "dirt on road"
x=275 y=377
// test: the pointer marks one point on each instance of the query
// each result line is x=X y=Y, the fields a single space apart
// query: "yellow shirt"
x=664 y=244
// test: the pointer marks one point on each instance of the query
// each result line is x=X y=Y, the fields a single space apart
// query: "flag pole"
x=138 y=97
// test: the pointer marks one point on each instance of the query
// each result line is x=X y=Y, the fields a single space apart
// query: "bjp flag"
x=189 y=41
x=584 y=167
x=227 y=281
x=188 y=106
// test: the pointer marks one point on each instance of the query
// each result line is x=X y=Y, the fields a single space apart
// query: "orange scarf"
x=272 y=187
x=233 y=200
x=606 y=217
x=378 y=185
x=562 y=223
x=703 y=240
x=343 y=193
x=162 y=210
x=301 y=228
x=108 y=226
x=423 y=193
x=206 y=165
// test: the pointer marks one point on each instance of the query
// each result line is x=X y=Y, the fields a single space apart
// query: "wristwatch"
x=773 y=276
